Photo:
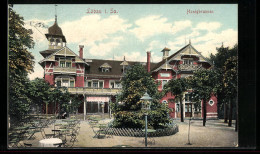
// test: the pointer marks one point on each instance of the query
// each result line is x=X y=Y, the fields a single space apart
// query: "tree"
x=230 y=84
x=20 y=63
x=40 y=93
x=128 y=114
x=223 y=53
x=177 y=87
x=75 y=102
x=204 y=86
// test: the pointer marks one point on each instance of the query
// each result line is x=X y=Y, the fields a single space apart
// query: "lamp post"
x=70 y=105
x=146 y=106
x=102 y=106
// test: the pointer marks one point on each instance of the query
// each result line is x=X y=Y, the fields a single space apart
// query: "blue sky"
x=133 y=30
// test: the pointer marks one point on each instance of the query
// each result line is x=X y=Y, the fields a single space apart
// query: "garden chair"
x=58 y=145
x=98 y=133
x=27 y=145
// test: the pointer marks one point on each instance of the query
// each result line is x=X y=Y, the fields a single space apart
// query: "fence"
x=137 y=132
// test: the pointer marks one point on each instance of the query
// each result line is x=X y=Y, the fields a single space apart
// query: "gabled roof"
x=173 y=56
x=116 y=70
x=47 y=52
x=65 y=51
x=105 y=65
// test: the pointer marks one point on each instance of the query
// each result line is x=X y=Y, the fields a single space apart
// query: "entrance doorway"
x=188 y=110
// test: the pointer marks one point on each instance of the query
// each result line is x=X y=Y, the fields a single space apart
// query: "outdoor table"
x=122 y=146
x=21 y=128
x=149 y=131
x=56 y=130
x=49 y=142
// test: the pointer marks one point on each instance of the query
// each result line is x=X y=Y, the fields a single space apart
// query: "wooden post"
x=230 y=113
x=85 y=107
x=225 y=112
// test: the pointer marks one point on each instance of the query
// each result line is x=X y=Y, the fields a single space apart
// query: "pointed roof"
x=166 y=49
x=63 y=51
x=161 y=64
x=105 y=65
x=124 y=62
x=55 y=31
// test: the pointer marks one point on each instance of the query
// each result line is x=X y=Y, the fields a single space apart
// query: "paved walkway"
x=215 y=134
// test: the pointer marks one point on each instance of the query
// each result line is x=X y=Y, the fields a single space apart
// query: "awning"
x=97 y=99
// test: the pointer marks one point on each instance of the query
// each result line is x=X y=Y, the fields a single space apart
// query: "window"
x=105 y=70
x=68 y=64
x=65 y=83
x=101 y=84
x=95 y=84
x=163 y=83
x=177 y=107
x=71 y=83
x=112 y=85
x=117 y=84
x=188 y=61
x=62 y=63
x=211 y=102
x=165 y=102
x=58 y=83
x=187 y=97
x=89 y=83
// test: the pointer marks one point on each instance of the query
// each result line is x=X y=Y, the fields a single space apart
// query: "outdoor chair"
x=98 y=133
x=49 y=135
x=58 y=145
x=27 y=145
x=14 y=142
x=31 y=134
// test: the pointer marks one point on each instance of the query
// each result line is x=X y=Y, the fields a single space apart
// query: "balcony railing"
x=189 y=67
x=64 y=69
x=94 y=91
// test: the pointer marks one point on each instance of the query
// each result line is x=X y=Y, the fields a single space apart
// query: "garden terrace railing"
x=137 y=132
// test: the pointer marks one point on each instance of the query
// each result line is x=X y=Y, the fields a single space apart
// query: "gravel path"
x=215 y=134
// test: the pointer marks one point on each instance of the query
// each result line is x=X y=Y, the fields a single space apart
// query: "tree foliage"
x=204 y=86
x=177 y=87
x=20 y=63
x=129 y=113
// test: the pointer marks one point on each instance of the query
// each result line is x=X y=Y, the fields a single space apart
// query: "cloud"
x=39 y=28
x=156 y=24
x=207 y=43
x=38 y=72
x=103 y=49
x=151 y=25
x=209 y=26
x=181 y=25
x=84 y=30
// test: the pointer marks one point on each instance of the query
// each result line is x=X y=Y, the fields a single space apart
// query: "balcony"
x=94 y=91
x=189 y=67
x=58 y=69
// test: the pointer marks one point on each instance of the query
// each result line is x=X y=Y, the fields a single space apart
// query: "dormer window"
x=105 y=67
x=105 y=70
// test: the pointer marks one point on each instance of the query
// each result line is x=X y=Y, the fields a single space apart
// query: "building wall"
x=212 y=111
x=79 y=81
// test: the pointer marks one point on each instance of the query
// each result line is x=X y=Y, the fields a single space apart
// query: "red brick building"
x=98 y=81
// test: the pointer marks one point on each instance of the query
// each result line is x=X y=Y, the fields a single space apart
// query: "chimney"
x=148 y=61
x=81 y=51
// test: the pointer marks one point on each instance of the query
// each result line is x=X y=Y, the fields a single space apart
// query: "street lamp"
x=146 y=106
x=102 y=106
x=70 y=105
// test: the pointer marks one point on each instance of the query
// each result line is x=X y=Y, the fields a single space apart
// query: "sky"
x=117 y=30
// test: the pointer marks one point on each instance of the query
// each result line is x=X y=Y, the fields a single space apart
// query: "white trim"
x=212 y=113
x=212 y=103
x=212 y=116
x=49 y=67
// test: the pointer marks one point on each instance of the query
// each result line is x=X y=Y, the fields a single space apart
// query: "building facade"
x=98 y=81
